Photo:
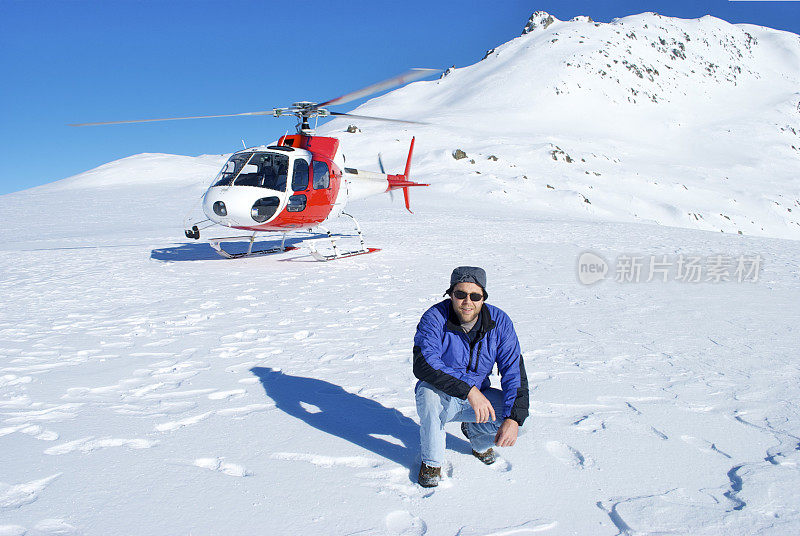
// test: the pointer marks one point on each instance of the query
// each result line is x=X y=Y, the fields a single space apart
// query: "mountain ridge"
x=706 y=109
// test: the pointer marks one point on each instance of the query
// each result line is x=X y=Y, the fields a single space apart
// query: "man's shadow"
x=364 y=422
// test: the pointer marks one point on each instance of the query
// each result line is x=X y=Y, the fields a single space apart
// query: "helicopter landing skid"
x=216 y=244
x=331 y=238
x=337 y=254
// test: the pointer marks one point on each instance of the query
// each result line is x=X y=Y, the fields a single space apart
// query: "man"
x=458 y=342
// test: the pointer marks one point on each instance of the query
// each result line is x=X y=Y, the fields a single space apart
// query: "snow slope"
x=687 y=123
x=148 y=386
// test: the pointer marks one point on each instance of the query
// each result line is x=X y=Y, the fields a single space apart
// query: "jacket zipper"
x=477 y=356
x=469 y=362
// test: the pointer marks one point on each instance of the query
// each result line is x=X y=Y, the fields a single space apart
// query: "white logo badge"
x=591 y=268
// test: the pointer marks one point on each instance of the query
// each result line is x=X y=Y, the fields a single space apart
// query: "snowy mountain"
x=687 y=123
x=148 y=386
x=144 y=169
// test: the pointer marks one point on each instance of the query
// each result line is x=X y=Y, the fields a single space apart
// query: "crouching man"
x=458 y=342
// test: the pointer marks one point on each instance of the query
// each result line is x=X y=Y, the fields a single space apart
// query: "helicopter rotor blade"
x=406 y=77
x=380 y=118
x=271 y=112
x=310 y=111
x=383 y=170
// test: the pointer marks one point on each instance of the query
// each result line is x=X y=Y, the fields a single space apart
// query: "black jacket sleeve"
x=519 y=411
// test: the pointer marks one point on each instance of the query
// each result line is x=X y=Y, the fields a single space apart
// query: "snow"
x=149 y=386
x=143 y=169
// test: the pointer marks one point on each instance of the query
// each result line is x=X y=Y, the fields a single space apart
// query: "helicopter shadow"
x=202 y=251
x=361 y=421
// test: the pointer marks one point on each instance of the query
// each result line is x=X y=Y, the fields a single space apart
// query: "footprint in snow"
x=327 y=461
x=15 y=495
x=90 y=444
x=174 y=425
x=32 y=430
x=40 y=433
x=402 y=523
x=501 y=465
x=223 y=395
x=534 y=526
x=567 y=455
x=391 y=481
x=45 y=527
x=218 y=464
x=703 y=446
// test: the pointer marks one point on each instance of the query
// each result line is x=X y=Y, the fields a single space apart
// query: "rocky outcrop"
x=538 y=20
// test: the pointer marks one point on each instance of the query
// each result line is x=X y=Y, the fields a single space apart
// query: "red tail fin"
x=401 y=181
x=407 y=172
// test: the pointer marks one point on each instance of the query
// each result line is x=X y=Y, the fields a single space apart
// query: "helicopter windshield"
x=264 y=170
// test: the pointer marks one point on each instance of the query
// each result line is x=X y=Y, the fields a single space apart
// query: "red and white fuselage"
x=296 y=184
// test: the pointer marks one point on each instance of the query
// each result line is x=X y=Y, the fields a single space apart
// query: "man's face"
x=467 y=310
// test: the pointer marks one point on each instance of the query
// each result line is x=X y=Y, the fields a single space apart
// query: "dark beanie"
x=468 y=274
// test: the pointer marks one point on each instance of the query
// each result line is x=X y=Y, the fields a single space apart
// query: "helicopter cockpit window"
x=263 y=170
x=321 y=175
x=231 y=168
x=300 y=175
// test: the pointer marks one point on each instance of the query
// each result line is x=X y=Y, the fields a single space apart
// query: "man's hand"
x=507 y=434
x=481 y=406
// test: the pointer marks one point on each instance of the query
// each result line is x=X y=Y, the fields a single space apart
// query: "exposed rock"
x=539 y=19
x=352 y=129
x=492 y=157
x=458 y=154
x=559 y=152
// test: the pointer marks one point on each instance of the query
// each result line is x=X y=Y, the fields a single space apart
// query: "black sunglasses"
x=474 y=296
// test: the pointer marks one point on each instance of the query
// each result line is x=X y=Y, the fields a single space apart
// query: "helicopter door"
x=320 y=193
x=297 y=202
x=322 y=176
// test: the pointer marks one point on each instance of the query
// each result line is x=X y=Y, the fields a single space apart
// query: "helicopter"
x=296 y=184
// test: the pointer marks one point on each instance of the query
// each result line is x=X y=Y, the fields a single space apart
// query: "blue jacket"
x=445 y=357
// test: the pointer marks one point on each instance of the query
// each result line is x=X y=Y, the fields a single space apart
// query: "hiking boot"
x=464 y=430
x=429 y=477
x=488 y=457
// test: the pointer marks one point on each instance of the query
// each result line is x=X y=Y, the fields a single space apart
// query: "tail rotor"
x=402 y=181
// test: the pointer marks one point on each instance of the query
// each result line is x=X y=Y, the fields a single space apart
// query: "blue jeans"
x=435 y=409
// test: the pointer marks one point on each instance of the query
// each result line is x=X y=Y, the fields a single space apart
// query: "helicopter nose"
x=240 y=207
x=218 y=207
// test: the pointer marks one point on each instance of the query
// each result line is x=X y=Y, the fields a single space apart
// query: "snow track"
x=173 y=377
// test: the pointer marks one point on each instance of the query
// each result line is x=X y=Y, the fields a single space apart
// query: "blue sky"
x=68 y=61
